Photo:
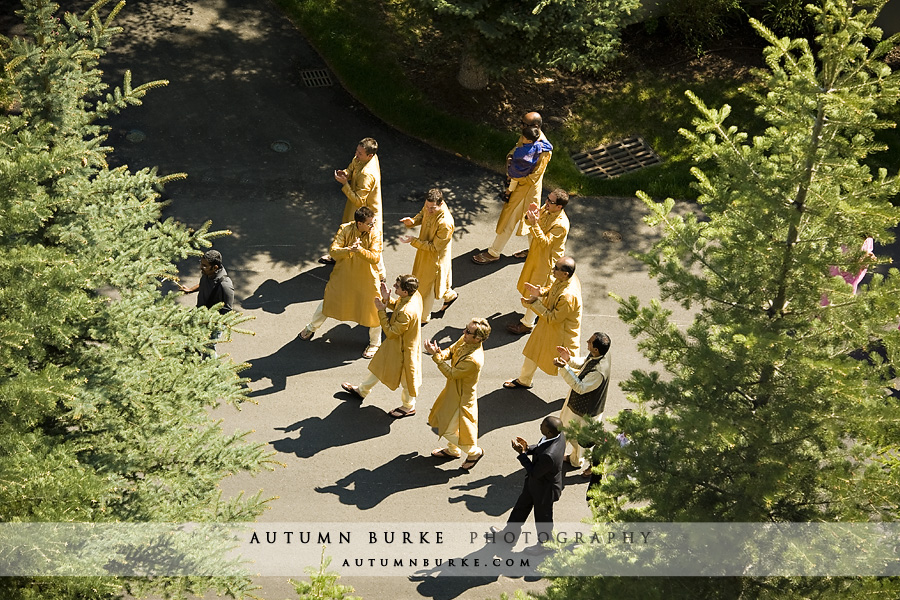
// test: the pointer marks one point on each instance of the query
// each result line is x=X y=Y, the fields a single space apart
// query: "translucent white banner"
x=450 y=549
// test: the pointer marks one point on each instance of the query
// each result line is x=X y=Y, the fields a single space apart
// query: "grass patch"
x=655 y=108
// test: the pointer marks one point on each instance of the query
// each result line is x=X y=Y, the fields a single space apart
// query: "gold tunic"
x=548 y=245
x=432 y=266
x=354 y=282
x=400 y=354
x=559 y=308
x=527 y=191
x=363 y=188
x=461 y=364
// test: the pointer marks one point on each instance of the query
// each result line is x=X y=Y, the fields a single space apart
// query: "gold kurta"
x=400 y=354
x=363 y=188
x=461 y=364
x=559 y=308
x=353 y=285
x=548 y=245
x=527 y=190
x=432 y=266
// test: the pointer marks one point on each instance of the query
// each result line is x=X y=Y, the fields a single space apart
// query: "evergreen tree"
x=495 y=35
x=773 y=404
x=323 y=584
x=106 y=382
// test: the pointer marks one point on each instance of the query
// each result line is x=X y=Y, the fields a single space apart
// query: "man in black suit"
x=543 y=484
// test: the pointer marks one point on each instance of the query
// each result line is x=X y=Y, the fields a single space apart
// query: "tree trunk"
x=472 y=75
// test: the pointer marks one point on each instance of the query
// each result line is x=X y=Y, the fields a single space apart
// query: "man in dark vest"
x=589 y=379
x=215 y=287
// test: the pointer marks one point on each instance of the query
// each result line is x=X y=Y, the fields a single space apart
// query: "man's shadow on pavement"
x=367 y=488
x=275 y=296
x=501 y=408
x=431 y=584
x=501 y=493
x=316 y=433
x=443 y=582
x=448 y=335
x=499 y=336
x=298 y=356
x=465 y=271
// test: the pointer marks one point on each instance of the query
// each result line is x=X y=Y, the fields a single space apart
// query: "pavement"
x=259 y=147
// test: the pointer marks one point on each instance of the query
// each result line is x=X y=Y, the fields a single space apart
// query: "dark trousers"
x=543 y=514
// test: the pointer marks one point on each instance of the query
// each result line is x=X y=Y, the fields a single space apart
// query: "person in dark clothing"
x=543 y=483
x=214 y=287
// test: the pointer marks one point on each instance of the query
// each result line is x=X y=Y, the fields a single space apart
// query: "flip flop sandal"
x=447 y=304
x=398 y=413
x=484 y=258
x=442 y=453
x=471 y=462
x=514 y=384
x=352 y=390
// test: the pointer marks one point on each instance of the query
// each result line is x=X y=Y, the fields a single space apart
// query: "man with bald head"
x=543 y=464
x=559 y=307
x=527 y=190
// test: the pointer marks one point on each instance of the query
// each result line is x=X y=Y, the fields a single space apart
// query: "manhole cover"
x=316 y=78
x=136 y=136
x=611 y=236
x=617 y=158
x=281 y=145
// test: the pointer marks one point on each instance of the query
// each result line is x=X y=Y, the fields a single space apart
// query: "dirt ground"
x=554 y=92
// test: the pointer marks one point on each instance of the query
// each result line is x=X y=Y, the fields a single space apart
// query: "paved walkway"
x=236 y=89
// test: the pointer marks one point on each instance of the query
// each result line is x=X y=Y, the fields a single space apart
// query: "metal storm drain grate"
x=316 y=78
x=617 y=158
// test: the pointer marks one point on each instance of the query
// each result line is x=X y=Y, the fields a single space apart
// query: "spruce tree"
x=106 y=381
x=773 y=404
x=323 y=584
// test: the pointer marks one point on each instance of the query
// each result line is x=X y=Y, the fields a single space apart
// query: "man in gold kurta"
x=528 y=190
x=455 y=412
x=353 y=283
x=361 y=184
x=548 y=229
x=399 y=360
x=432 y=266
x=559 y=306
